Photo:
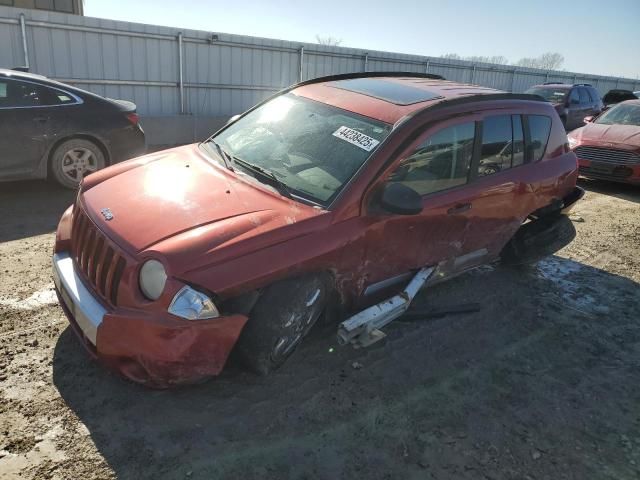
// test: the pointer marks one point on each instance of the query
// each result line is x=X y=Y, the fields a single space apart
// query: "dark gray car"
x=572 y=102
x=50 y=129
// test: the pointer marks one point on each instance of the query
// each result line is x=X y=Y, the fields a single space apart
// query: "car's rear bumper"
x=158 y=350
x=127 y=143
x=613 y=172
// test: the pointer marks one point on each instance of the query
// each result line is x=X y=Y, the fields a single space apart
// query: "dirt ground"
x=542 y=383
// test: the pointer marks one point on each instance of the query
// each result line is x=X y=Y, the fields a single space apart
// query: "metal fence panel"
x=222 y=74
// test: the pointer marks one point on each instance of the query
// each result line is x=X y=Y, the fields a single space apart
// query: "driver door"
x=438 y=167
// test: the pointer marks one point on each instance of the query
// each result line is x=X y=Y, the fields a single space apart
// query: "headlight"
x=573 y=143
x=152 y=279
x=193 y=305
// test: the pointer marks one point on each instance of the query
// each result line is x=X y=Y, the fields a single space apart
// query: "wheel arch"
x=244 y=302
x=101 y=144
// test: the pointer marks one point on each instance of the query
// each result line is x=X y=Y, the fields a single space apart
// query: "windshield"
x=553 y=95
x=310 y=147
x=621 y=114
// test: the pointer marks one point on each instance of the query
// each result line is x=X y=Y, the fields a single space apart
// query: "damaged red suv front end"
x=102 y=246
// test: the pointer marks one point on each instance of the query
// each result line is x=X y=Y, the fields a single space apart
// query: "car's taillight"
x=133 y=117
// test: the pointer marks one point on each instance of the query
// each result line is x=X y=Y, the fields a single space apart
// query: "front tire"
x=74 y=159
x=282 y=317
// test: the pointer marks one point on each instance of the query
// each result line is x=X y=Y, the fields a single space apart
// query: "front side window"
x=310 y=147
x=440 y=162
x=539 y=130
x=621 y=114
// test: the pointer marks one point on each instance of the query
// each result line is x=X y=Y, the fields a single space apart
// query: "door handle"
x=41 y=119
x=460 y=208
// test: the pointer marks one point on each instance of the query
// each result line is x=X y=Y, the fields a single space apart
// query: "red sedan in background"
x=608 y=146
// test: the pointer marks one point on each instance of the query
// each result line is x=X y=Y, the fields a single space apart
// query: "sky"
x=596 y=37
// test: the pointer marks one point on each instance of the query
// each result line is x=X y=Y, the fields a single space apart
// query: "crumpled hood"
x=622 y=136
x=179 y=204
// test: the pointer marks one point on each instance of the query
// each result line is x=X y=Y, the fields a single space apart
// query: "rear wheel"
x=74 y=159
x=538 y=239
x=279 y=321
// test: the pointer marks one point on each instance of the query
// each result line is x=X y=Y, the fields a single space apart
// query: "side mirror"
x=589 y=119
x=574 y=101
x=233 y=119
x=399 y=199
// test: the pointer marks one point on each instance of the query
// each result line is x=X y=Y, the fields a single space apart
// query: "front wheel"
x=279 y=321
x=74 y=159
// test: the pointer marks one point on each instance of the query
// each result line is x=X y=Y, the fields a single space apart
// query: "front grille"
x=101 y=265
x=618 y=173
x=607 y=155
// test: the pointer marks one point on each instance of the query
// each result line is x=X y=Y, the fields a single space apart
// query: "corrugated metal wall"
x=222 y=74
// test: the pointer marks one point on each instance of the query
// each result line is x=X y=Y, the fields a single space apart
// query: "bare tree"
x=328 y=40
x=546 y=61
x=496 y=59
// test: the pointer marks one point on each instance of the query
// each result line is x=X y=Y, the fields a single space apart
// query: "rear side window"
x=584 y=96
x=574 y=97
x=502 y=144
x=440 y=162
x=16 y=94
x=19 y=94
x=539 y=130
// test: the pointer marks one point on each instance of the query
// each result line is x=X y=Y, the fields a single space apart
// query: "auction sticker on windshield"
x=356 y=138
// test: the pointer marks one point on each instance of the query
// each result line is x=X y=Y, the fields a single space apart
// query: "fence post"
x=426 y=67
x=25 y=49
x=513 y=80
x=473 y=73
x=366 y=61
x=180 y=73
x=301 y=63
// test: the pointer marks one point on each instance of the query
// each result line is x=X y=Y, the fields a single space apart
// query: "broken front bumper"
x=156 y=349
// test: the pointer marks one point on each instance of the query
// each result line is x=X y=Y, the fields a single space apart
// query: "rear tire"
x=538 y=239
x=74 y=159
x=281 y=318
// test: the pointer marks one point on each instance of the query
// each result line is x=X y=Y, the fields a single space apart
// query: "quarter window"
x=440 y=162
x=539 y=130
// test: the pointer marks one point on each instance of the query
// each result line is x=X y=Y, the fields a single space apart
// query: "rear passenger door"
x=575 y=115
x=23 y=127
x=587 y=105
x=497 y=187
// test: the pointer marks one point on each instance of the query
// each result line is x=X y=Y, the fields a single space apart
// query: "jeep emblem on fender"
x=106 y=213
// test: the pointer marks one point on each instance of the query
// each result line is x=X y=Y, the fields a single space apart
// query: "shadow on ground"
x=541 y=383
x=623 y=191
x=31 y=208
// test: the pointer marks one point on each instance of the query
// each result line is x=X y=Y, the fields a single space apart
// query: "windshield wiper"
x=263 y=172
x=226 y=158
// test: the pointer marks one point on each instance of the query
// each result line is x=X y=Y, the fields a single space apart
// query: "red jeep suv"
x=333 y=195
